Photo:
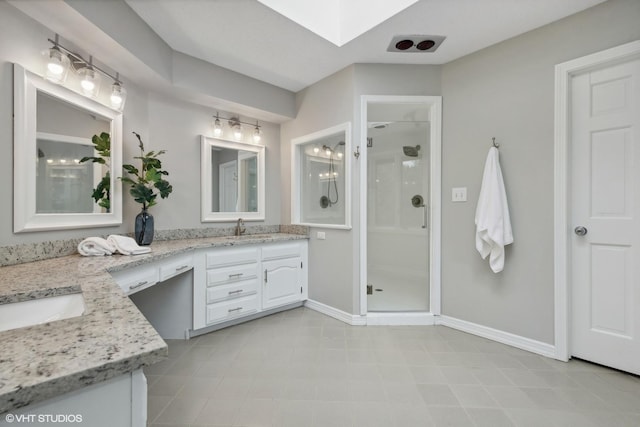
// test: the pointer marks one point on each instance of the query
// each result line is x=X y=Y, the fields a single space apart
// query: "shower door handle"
x=425 y=217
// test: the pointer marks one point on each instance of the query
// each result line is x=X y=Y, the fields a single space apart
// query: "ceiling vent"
x=415 y=43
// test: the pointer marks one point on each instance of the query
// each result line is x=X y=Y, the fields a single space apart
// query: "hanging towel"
x=493 y=225
x=127 y=246
x=95 y=246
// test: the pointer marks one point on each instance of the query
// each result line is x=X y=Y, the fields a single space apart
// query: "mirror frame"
x=207 y=215
x=25 y=218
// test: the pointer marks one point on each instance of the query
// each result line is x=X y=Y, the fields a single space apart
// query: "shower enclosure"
x=398 y=173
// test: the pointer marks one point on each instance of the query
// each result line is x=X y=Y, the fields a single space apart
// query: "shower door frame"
x=435 y=190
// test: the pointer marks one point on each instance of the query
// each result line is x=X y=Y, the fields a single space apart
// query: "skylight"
x=338 y=21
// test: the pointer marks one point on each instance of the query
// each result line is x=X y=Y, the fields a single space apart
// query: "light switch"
x=320 y=235
x=459 y=194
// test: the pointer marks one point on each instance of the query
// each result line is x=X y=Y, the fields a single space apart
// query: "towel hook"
x=495 y=144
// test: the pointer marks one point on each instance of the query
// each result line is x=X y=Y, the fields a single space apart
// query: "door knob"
x=580 y=230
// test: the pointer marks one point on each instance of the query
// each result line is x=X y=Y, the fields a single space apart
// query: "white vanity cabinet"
x=235 y=282
x=283 y=280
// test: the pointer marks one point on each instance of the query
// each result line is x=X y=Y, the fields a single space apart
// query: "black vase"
x=144 y=228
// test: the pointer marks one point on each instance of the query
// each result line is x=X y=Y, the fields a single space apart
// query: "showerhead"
x=411 y=151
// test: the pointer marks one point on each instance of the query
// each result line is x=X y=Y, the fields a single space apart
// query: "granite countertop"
x=111 y=338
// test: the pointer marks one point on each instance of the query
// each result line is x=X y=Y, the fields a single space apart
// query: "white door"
x=228 y=186
x=605 y=202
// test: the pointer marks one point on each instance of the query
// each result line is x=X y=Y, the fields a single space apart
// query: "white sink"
x=43 y=310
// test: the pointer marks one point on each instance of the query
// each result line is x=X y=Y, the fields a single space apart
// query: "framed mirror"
x=232 y=181
x=53 y=128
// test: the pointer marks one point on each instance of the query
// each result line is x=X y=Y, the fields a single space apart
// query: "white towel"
x=126 y=245
x=95 y=246
x=493 y=224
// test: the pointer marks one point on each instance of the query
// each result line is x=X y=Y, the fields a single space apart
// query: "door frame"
x=435 y=190
x=564 y=72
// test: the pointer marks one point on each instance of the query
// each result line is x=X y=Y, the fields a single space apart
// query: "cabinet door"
x=282 y=282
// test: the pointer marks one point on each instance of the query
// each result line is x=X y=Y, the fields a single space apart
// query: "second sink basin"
x=43 y=310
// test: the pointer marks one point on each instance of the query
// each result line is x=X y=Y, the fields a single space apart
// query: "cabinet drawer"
x=176 y=266
x=132 y=281
x=232 y=290
x=228 y=257
x=219 y=276
x=282 y=250
x=231 y=309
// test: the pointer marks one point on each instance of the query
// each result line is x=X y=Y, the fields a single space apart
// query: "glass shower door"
x=397 y=233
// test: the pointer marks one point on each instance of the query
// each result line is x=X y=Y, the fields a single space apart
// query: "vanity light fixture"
x=60 y=59
x=235 y=126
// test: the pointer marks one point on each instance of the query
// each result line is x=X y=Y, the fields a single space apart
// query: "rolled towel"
x=127 y=246
x=95 y=246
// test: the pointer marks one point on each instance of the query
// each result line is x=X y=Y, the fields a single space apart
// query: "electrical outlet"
x=320 y=235
x=459 y=194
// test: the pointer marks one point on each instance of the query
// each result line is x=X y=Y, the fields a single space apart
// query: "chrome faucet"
x=239 y=229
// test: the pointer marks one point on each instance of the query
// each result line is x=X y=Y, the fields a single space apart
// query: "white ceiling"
x=250 y=38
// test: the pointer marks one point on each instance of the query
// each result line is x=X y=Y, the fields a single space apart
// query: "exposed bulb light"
x=49 y=161
x=118 y=94
x=316 y=150
x=217 y=127
x=257 y=134
x=339 y=155
x=57 y=64
x=89 y=80
x=327 y=151
x=236 y=128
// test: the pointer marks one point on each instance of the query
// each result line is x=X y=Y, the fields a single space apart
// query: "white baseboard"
x=507 y=338
x=401 y=319
x=351 y=319
x=374 y=319
x=428 y=319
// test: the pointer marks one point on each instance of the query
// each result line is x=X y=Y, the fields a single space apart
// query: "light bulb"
x=63 y=160
x=57 y=65
x=237 y=131
x=89 y=81
x=339 y=155
x=316 y=150
x=49 y=161
x=76 y=161
x=118 y=95
x=217 y=127
x=328 y=151
x=257 y=135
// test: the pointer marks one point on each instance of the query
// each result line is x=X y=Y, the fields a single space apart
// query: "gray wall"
x=507 y=91
x=325 y=104
x=163 y=123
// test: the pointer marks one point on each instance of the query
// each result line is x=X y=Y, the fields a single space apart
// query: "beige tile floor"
x=301 y=368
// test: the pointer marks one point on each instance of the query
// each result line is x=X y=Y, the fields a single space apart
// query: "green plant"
x=102 y=193
x=144 y=182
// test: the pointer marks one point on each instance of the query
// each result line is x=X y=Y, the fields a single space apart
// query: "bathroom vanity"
x=78 y=362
